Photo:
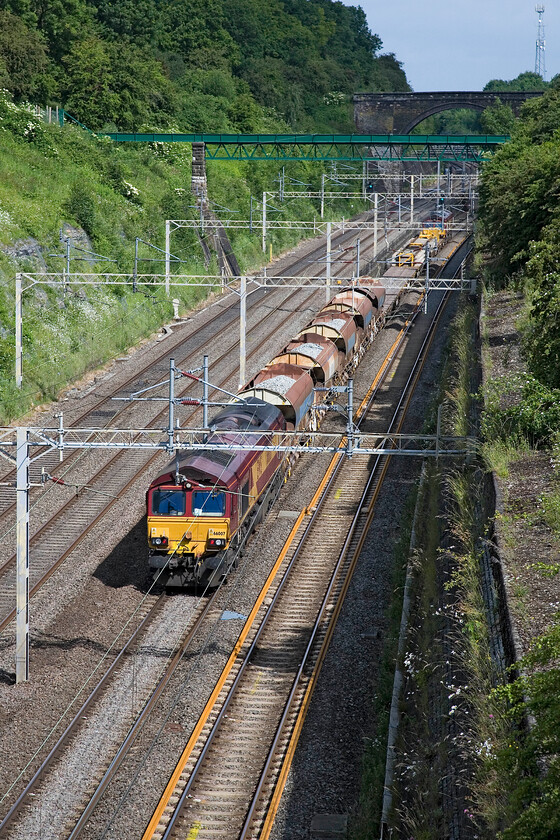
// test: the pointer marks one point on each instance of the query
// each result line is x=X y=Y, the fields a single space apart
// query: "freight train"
x=202 y=508
x=423 y=247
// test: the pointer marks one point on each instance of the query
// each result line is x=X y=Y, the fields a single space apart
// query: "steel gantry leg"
x=22 y=556
x=205 y=392
x=171 y=428
x=328 y=269
x=375 y=220
x=19 y=333
x=167 y=255
x=264 y=223
x=242 y=330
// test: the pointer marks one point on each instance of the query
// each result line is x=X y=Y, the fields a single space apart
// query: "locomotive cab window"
x=170 y=502
x=208 y=503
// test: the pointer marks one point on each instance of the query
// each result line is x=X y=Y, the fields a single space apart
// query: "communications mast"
x=540 y=60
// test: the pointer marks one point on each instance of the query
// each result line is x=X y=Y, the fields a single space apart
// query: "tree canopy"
x=524 y=82
x=520 y=226
x=228 y=65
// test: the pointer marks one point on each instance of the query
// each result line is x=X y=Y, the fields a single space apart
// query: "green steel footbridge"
x=343 y=147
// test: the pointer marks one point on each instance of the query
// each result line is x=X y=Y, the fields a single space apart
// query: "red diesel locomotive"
x=202 y=508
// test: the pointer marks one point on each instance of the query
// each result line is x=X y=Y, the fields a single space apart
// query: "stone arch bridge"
x=399 y=113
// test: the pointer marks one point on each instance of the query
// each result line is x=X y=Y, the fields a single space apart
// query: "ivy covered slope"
x=63 y=182
x=194 y=65
x=519 y=241
x=520 y=227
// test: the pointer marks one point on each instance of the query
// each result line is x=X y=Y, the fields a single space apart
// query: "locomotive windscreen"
x=208 y=503
x=169 y=502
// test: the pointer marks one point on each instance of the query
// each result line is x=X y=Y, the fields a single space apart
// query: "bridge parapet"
x=399 y=113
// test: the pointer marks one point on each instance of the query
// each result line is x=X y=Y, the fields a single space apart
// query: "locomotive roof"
x=218 y=466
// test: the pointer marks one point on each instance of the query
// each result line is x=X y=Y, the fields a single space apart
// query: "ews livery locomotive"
x=202 y=508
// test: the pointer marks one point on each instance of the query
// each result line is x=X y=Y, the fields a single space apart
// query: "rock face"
x=27 y=253
x=77 y=236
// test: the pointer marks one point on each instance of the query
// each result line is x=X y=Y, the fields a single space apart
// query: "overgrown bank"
x=529 y=528
x=63 y=183
x=449 y=664
x=479 y=741
x=518 y=245
x=467 y=762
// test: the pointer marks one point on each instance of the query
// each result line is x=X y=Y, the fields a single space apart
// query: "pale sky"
x=462 y=44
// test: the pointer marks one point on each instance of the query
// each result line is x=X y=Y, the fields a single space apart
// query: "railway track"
x=61 y=536
x=201 y=624
x=101 y=410
x=229 y=779
x=147 y=614
x=67 y=555
x=224 y=781
x=66 y=530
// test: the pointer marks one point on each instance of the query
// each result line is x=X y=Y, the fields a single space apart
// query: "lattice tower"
x=540 y=56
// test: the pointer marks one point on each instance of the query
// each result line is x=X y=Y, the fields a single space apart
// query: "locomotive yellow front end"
x=187 y=529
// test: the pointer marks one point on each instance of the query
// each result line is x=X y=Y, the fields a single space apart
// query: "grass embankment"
x=449 y=718
x=465 y=751
x=102 y=196
x=522 y=447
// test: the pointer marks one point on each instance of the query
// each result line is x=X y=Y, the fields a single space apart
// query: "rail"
x=272 y=591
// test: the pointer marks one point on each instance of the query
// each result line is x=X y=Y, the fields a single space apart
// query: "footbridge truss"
x=344 y=147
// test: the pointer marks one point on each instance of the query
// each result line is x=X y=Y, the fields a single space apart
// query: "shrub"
x=531 y=762
x=81 y=206
x=520 y=408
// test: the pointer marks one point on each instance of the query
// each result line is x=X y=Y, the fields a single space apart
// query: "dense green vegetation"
x=524 y=82
x=520 y=227
x=194 y=65
x=518 y=242
x=200 y=65
x=102 y=196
